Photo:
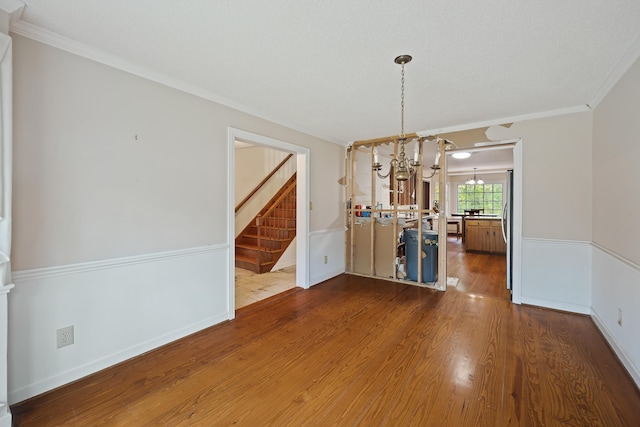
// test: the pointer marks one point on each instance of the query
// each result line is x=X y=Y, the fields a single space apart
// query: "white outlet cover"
x=64 y=337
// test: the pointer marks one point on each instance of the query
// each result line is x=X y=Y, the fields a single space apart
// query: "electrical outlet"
x=64 y=336
x=326 y=259
x=620 y=316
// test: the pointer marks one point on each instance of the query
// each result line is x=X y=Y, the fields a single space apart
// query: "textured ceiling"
x=327 y=67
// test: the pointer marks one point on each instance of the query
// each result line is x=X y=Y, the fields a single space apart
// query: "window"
x=480 y=196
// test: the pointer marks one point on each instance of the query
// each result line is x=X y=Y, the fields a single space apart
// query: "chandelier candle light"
x=403 y=168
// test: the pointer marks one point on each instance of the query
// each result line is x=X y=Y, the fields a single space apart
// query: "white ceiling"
x=486 y=160
x=326 y=67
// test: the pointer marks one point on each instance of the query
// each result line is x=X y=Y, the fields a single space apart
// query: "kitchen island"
x=483 y=234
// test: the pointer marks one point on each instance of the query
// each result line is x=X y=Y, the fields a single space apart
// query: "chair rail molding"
x=23 y=276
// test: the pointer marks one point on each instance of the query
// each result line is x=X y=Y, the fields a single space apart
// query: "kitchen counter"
x=483 y=217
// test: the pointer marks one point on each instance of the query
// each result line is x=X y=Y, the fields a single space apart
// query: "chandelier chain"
x=402 y=167
x=402 y=104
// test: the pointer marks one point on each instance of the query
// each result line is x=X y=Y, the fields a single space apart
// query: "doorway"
x=301 y=155
x=261 y=174
x=514 y=253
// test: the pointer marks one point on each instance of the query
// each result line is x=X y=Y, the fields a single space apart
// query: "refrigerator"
x=507 y=227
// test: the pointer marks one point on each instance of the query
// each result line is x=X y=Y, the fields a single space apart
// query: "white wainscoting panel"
x=329 y=243
x=616 y=286
x=119 y=308
x=557 y=274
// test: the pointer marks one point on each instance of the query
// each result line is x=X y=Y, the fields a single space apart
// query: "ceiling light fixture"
x=474 y=180
x=402 y=167
x=461 y=155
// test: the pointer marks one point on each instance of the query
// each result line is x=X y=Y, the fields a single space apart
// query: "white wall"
x=329 y=243
x=120 y=189
x=616 y=153
x=255 y=162
x=556 y=175
x=86 y=188
x=616 y=231
x=556 y=205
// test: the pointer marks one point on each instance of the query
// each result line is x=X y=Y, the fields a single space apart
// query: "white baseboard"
x=617 y=348
x=557 y=305
x=107 y=361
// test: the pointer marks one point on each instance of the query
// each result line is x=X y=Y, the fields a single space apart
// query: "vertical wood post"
x=352 y=157
x=418 y=191
x=442 y=219
x=372 y=220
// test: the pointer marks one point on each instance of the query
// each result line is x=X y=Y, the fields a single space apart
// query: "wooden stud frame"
x=422 y=210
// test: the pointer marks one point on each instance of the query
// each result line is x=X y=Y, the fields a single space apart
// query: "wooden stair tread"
x=255 y=236
x=277 y=228
x=255 y=248
x=251 y=260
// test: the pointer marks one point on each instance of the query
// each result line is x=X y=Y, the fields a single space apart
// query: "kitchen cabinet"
x=484 y=235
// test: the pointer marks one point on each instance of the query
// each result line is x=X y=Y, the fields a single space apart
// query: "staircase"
x=264 y=240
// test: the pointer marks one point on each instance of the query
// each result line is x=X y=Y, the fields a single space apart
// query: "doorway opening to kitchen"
x=484 y=217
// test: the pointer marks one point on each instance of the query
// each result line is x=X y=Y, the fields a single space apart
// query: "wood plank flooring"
x=357 y=351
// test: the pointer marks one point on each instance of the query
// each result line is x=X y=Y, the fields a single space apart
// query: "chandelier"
x=474 y=180
x=402 y=167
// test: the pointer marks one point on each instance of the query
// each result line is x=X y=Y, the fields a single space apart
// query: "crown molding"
x=84 y=50
x=628 y=59
x=512 y=119
x=10 y=12
x=13 y=8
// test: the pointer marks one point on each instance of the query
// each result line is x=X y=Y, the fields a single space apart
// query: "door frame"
x=302 y=206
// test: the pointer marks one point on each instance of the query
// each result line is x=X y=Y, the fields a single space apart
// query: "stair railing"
x=263 y=182
x=273 y=217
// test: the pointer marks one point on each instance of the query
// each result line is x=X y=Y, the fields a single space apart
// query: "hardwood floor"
x=358 y=351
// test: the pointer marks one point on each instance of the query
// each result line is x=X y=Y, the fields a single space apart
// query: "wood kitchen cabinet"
x=484 y=235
